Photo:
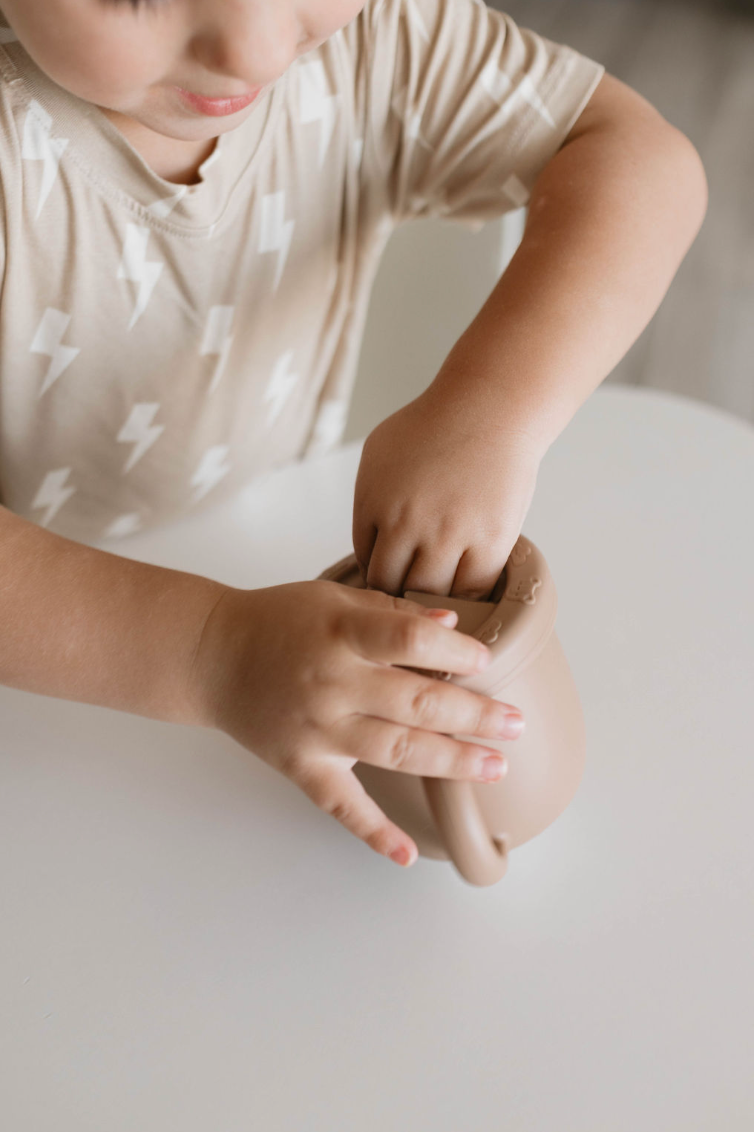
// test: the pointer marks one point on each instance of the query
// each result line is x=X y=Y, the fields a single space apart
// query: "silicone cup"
x=476 y=824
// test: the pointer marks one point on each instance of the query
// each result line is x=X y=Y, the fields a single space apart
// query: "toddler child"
x=195 y=197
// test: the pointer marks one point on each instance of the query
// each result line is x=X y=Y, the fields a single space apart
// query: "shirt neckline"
x=87 y=137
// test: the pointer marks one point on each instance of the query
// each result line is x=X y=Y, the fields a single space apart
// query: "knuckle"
x=413 y=638
x=341 y=809
x=425 y=706
x=401 y=750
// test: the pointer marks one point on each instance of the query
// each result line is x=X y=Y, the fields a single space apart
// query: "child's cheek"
x=99 y=58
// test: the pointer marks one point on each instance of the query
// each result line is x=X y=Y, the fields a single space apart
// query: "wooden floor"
x=694 y=61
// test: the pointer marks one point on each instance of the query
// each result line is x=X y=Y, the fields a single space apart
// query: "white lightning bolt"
x=46 y=340
x=134 y=266
x=328 y=428
x=279 y=386
x=165 y=205
x=412 y=119
x=212 y=467
x=516 y=191
x=316 y=104
x=497 y=84
x=52 y=494
x=38 y=145
x=275 y=233
x=217 y=339
x=137 y=429
x=125 y=524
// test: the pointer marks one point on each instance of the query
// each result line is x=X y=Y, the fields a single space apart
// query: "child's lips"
x=217 y=107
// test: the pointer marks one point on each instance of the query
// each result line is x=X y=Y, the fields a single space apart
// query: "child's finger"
x=389 y=564
x=414 y=699
x=413 y=750
x=416 y=642
x=383 y=601
x=337 y=791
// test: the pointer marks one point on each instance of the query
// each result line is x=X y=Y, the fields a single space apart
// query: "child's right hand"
x=304 y=675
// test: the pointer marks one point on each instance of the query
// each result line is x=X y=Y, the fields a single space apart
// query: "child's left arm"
x=445 y=483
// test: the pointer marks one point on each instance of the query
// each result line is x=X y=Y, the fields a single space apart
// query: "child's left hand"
x=441 y=495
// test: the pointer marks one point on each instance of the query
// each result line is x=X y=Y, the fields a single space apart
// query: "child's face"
x=128 y=56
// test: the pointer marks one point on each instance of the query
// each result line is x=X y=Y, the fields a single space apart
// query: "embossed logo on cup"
x=520 y=553
x=524 y=591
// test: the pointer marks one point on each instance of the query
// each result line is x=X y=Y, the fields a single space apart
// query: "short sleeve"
x=464 y=108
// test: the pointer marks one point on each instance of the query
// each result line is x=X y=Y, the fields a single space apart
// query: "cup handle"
x=480 y=858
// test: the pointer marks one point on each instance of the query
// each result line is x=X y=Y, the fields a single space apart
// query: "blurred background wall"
x=694 y=61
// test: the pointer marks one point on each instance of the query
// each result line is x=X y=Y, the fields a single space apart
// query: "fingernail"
x=492 y=768
x=442 y=614
x=512 y=726
x=402 y=856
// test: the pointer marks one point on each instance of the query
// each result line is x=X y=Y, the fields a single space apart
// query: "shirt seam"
x=552 y=83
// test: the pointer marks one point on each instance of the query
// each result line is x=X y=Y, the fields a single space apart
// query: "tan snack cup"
x=472 y=824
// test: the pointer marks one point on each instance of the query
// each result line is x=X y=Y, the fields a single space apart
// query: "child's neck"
x=171 y=159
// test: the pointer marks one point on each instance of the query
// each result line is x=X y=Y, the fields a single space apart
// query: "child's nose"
x=253 y=42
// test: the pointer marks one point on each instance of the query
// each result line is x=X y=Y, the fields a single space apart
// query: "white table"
x=189 y=944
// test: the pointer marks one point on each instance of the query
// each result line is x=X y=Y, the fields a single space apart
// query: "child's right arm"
x=302 y=674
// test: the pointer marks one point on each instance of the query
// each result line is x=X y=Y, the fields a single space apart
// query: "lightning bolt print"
x=39 y=145
x=412 y=118
x=217 y=340
x=212 y=467
x=275 y=232
x=497 y=84
x=138 y=430
x=53 y=494
x=279 y=386
x=316 y=104
x=329 y=426
x=126 y=524
x=46 y=340
x=516 y=191
x=135 y=267
x=163 y=207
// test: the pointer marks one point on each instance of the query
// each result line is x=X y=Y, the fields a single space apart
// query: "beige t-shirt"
x=163 y=344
